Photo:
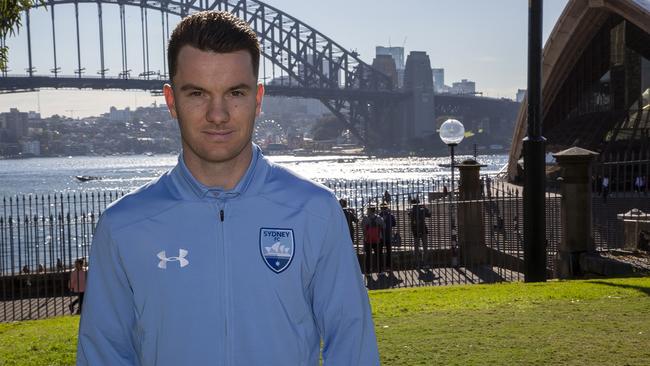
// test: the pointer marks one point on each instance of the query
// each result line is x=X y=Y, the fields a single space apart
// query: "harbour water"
x=56 y=223
x=124 y=173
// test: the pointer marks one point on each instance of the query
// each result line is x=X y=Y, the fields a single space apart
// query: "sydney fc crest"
x=277 y=247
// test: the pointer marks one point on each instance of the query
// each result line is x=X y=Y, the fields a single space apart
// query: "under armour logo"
x=182 y=253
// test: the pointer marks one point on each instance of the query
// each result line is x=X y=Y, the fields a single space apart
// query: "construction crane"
x=71 y=111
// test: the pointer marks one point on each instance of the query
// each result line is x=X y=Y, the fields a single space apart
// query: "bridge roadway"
x=16 y=83
x=13 y=84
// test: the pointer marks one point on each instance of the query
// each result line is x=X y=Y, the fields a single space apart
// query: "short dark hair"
x=216 y=31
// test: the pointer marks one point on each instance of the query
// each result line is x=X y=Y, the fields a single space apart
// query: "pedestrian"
x=77 y=284
x=387 y=198
x=389 y=223
x=605 y=188
x=228 y=258
x=373 y=228
x=350 y=217
x=639 y=184
x=488 y=186
x=419 y=229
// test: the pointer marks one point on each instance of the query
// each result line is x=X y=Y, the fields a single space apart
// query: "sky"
x=480 y=40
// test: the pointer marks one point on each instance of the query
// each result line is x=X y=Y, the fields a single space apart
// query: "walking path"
x=35 y=308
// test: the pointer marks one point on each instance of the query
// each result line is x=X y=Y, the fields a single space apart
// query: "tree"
x=327 y=128
x=10 y=22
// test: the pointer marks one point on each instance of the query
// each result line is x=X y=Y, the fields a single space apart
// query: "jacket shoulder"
x=292 y=189
x=142 y=203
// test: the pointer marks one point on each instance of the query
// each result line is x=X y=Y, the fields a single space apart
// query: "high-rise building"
x=438 y=79
x=386 y=65
x=120 y=115
x=463 y=87
x=396 y=52
x=13 y=125
x=31 y=147
x=521 y=93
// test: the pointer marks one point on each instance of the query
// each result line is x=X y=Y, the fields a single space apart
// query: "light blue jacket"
x=182 y=274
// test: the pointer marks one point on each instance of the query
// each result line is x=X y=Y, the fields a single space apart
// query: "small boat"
x=85 y=178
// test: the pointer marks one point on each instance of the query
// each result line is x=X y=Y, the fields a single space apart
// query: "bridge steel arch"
x=315 y=66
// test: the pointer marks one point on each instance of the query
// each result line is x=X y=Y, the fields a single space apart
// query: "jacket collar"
x=189 y=187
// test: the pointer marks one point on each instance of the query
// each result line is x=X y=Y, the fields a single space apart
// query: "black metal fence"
x=429 y=243
x=436 y=238
x=40 y=239
x=620 y=184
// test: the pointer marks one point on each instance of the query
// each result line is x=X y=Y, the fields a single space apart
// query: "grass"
x=598 y=322
x=39 y=342
x=595 y=322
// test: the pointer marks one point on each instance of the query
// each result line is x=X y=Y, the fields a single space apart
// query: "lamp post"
x=534 y=151
x=452 y=132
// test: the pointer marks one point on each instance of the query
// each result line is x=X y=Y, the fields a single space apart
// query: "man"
x=389 y=224
x=639 y=184
x=605 y=188
x=373 y=228
x=350 y=216
x=227 y=259
x=77 y=284
x=419 y=228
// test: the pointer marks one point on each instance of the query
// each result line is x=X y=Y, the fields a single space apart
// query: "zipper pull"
x=221 y=215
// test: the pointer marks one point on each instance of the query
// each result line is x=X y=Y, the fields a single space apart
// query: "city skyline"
x=485 y=42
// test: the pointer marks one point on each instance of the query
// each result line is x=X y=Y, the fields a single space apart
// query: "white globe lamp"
x=452 y=132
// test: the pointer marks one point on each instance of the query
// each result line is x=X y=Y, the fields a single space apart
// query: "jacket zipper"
x=226 y=285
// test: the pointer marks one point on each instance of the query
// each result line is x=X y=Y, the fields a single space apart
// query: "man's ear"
x=168 y=91
x=258 y=99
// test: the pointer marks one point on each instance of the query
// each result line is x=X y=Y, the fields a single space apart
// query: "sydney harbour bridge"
x=121 y=44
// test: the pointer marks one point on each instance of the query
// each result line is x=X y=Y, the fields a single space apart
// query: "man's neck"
x=224 y=175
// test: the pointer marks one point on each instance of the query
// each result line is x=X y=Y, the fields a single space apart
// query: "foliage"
x=327 y=128
x=595 y=322
x=10 y=22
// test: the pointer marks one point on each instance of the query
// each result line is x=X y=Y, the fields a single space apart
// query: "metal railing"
x=620 y=183
x=435 y=251
x=42 y=236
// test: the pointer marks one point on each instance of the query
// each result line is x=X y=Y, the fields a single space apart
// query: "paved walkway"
x=37 y=308
x=440 y=277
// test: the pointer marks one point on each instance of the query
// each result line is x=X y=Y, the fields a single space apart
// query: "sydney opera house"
x=595 y=81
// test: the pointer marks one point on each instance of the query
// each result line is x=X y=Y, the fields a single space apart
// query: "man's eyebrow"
x=196 y=87
x=240 y=86
x=191 y=87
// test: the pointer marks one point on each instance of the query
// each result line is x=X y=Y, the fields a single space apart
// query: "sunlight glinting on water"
x=125 y=173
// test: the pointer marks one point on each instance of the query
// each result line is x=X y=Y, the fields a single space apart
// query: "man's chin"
x=222 y=156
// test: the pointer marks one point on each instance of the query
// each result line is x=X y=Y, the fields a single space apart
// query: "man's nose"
x=217 y=111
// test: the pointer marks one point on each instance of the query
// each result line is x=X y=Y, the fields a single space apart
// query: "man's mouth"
x=218 y=135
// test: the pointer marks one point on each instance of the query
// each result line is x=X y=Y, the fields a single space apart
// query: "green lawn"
x=595 y=322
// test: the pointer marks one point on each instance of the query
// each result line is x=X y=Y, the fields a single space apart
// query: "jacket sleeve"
x=340 y=301
x=107 y=320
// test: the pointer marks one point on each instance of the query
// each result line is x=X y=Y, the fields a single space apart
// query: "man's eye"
x=237 y=93
x=196 y=93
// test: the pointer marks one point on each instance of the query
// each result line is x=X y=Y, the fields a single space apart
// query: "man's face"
x=215 y=98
